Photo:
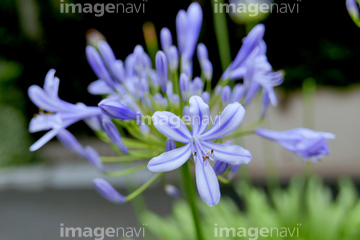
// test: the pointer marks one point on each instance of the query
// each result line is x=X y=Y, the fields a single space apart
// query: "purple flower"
x=198 y=144
x=260 y=75
x=107 y=191
x=251 y=42
x=309 y=145
x=62 y=114
x=116 y=109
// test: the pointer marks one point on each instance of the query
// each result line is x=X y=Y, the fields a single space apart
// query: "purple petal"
x=207 y=183
x=171 y=126
x=100 y=87
x=44 y=139
x=70 y=142
x=232 y=154
x=226 y=123
x=51 y=84
x=253 y=89
x=107 y=191
x=93 y=157
x=200 y=115
x=171 y=160
x=44 y=101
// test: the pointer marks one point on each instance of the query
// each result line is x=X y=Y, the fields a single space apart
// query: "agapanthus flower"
x=308 y=144
x=198 y=144
x=60 y=114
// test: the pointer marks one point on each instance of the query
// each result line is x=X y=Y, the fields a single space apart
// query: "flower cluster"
x=151 y=103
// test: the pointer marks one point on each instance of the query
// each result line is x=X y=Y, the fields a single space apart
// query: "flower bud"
x=206 y=97
x=162 y=69
x=165 y=39
x=181 y=29
x=220 y=167
x=114 y=135
x=116 y=109
x=207 y=69
x=98 y=65
x=238 y=92
x=173 y=57
x=197 y=86
x=226 y=95
x=184 y=85
x=169 y=145
x=107 y=191
x=172 y=191
x=106 y=53
x=202 y=52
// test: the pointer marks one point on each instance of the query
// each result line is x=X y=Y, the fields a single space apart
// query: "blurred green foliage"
x=308 y=205
x=15 y=139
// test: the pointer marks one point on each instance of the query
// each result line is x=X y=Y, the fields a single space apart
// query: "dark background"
x=320 y=42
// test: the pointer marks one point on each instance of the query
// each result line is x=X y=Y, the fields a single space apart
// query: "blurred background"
x=40 y=190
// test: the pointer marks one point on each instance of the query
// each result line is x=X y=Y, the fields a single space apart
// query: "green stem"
x=127 y=171
x=141 y=189
x=222 y=35
x=126 y=158
x=190 y=193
